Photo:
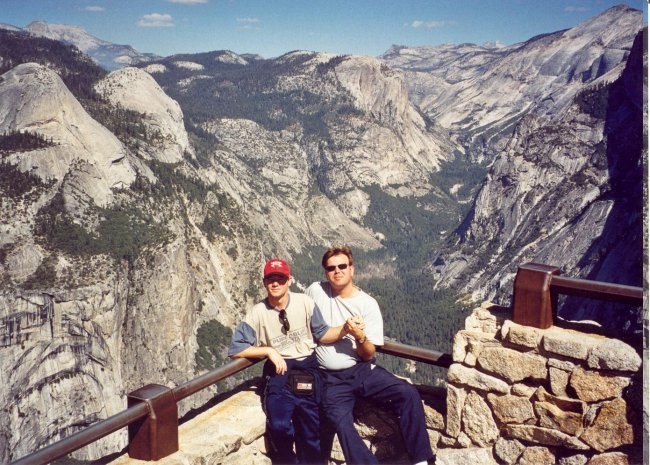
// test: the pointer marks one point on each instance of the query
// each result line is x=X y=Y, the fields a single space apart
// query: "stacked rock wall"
x=528 y=395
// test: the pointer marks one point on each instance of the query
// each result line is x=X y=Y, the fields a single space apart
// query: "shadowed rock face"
x=566 y=190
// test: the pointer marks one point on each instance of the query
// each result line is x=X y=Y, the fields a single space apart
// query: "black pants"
x=368 y=381
x=290 y=419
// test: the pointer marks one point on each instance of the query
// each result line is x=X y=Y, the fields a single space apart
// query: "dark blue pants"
x=293 y=419
x=342 y=388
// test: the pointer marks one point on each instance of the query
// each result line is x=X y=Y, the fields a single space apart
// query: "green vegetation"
x=460 y=171
x=126 y=125
x=594 y=100
x=306 y=266
x=204 y=144
x=77 y=70
x=121 y=232
x=213 y=339
x=399 y=274
x=407 y=222
x=254 y=91
x=413 y=312
x=214 y=225
x=44 y=276
x=15 y=183
x=22 y=141
x=171 y=182
x=5 y=249
x=221 y=212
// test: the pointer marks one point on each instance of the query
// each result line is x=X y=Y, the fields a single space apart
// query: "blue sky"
x=273 y=27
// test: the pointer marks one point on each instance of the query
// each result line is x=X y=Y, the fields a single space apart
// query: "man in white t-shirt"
x=349 y=369
x=283 y=329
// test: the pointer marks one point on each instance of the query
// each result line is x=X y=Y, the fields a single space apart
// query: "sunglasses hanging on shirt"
x=284 y=320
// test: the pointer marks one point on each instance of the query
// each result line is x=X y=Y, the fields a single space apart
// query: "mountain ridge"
x=555 y=62
x=107 y=54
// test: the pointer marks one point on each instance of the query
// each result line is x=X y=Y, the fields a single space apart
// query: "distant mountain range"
x=106 y=54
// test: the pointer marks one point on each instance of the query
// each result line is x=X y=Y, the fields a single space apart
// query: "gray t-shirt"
x=335 y=311
x=262 y=327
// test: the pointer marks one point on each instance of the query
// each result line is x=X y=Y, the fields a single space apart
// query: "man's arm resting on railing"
x=264 y=352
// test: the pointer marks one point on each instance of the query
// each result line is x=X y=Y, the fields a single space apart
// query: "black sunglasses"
x=281 y=280
x=284 y=320
x=341 y=266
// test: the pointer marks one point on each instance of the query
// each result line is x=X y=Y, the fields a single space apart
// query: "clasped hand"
x=355 y=326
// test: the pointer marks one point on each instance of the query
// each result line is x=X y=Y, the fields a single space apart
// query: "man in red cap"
x=283 y=329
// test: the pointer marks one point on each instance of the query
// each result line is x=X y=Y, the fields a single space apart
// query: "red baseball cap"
x=277 y=266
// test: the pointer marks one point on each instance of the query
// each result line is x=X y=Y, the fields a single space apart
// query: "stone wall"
x=531 y=396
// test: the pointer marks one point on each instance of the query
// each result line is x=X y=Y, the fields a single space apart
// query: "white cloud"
x=188 y=2
x=248 y=23
x=417 y=24
x=156 y=20
x=575 y=9
x=95 y=8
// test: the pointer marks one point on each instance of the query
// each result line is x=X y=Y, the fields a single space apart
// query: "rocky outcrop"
x=34 y=98
x=108 y=55
x=254 y=161
x=388 y=143
x=480 y=91
x=550 y=202
x=135 y=90
x=83 y=329
x=61 y=366
x=151 y=237
x=381 y=92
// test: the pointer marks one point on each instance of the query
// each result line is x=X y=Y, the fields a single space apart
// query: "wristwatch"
x=362 y=340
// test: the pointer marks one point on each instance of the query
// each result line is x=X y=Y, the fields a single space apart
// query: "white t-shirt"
x=335 y=311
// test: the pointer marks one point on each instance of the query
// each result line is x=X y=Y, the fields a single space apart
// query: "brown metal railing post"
x=155 y=436
x=533 y=301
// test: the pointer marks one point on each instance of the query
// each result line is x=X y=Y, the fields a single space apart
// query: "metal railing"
x=152 y=415
x=537 y=288
x=141 y=418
